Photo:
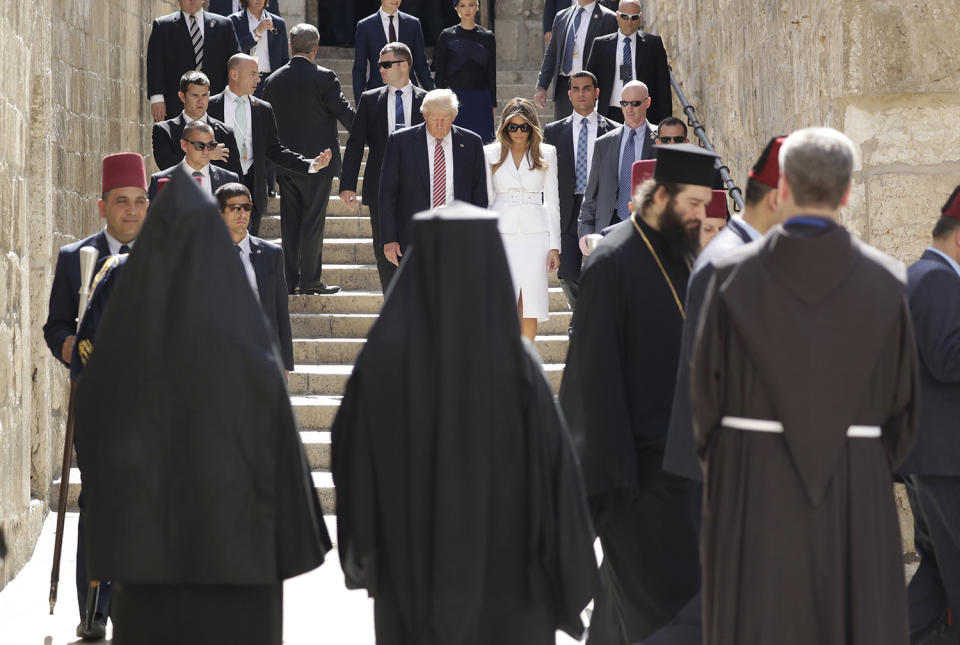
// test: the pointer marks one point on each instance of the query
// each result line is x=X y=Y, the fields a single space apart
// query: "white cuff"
x=156 y=98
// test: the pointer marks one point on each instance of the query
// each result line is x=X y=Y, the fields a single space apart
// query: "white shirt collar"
x=752 y=232
x=587 y=8
x=406 y=89
x=578 y=118
x=385 y=16
x=186 y=119
x=198 y=15
x=114 y=244
x=244 y=244
x=230 y=96
x=447 y=140
x=205 y=171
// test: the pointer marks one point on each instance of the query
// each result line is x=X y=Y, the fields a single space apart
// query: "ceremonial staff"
x=88 y=261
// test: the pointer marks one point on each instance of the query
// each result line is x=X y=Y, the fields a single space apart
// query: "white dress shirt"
x=447 y=145
x=205 y=181
x=186 y=118
x=244 y=254
x=617 y=88
x=385 y=19
x=230 y=118
x=114 y=244
x=236 y=6
x=158 y=98
x=580 y=39
x=260 y=49
x=406 y=95
x=591 y=136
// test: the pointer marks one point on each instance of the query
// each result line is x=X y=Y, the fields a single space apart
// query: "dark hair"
x=196 y=126
x=584 y=73
x=945 y=226
x=671 y=121
x=755 y=192
x=193 y=77
x=643 y=195
x=400 y=50
x=229 y=190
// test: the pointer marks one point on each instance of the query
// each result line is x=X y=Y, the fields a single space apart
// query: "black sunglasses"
x=200 y=145
x=633 y=103
x=677 y=139
x=632 y=17
x=387 y=64
x=236 y=208
x=522 y=127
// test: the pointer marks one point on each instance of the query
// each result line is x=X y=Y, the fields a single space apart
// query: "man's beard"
x=681 y=240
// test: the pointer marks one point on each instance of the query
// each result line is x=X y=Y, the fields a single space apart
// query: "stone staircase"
x=329 y=331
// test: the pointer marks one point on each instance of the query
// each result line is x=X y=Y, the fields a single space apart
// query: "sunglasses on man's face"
x=633 y=103
x=236 y=208
x=387 y=64
x=521 y=127
x=632 y=17
x=200 y=145
x=677 y=139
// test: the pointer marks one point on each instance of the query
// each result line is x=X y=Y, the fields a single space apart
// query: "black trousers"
x=562 y=108
x=935 y=587
x=250 y=181
x=571 y=259
x=83 y=580
x=303 y=216
x=385 y=268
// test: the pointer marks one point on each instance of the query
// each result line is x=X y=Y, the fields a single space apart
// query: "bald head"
x=629 y=17
x=243 y=73
x=637 y=99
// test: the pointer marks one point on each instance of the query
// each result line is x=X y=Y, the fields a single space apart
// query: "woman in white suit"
x=522 y=185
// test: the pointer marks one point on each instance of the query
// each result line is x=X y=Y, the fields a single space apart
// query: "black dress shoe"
x=295 y=291
x=321 y=289
x=97 y=631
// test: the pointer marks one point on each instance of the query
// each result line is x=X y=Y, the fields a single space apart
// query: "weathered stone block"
x=905 y=129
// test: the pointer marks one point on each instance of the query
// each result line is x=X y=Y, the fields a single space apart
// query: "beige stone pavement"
x=318 y=608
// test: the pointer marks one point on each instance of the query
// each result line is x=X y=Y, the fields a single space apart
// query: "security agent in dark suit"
x=262 y=35
x=574 y=30
x=226 y=7
x=123 y=206
x=308 y=104
x=428 y=166
x=255 y=129
x=263 y=263
x=195 y=94
x=378 y=114
x=197 y=143
x=607 y=197
x=574 y=143
x=373 y=32
x=647 y=62
x=932 y=470
x=187 y=39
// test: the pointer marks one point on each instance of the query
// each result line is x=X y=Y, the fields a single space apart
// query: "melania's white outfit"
x=528 y=205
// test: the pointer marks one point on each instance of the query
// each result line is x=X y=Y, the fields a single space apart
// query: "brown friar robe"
x=800 y=541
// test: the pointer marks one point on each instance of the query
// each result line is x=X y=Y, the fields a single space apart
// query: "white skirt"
x=527 y=257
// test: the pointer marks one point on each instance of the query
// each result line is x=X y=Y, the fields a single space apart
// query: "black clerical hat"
x=684 y=163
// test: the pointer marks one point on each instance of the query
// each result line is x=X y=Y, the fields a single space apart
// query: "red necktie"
x=439 y=175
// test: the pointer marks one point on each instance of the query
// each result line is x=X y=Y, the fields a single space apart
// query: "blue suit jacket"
x=277 y=44
x=267 y=260
x=225 y=7
x=933 y=293
x=65 y=293
x=602 y=21
x=405 y=181
x=368 y=42
x=218 y=177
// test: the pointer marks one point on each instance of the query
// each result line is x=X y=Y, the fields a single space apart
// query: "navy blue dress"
x=465 y=60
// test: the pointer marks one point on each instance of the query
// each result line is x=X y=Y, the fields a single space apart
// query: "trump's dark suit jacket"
x=166 y=143
x=650 y=63
x=267 y=261
x=370 y=129
x=405 y=180
x=277 y=44
x=602 y=21
x=368 y=42
x=170 y=54
x=218 y=177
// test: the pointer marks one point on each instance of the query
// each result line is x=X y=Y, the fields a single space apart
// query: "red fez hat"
x=123 y=169
x=718 y=205
x=952 y=207
x=641 y=171
x=767 y=168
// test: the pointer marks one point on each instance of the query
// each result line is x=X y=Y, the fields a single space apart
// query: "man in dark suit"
x=308 y=103
x=227 y=7
x=428 y=166
x=646 y=61
x=932 y=470
x=263 y=263
x=263 y=35
x=197 y=143
x=195 y=94
x=255 y=129
x=123 y=206
x=607 y=197
x=378 y=114
x=574 y=138
x=187 y=39
x=389 y=24
x=575 y=29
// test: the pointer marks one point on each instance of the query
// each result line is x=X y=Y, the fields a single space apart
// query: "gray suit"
x=600 y=199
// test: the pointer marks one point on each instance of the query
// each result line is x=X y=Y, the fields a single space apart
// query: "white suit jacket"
x=513 y=194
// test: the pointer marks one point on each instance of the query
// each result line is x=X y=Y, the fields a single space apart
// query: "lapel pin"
x=461 y=145
x=212 y=23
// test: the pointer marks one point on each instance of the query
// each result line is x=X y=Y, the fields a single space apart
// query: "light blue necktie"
x=627 y=60
x=571 y=43
x=626 y=170
x=399 y=120
x=581 y=168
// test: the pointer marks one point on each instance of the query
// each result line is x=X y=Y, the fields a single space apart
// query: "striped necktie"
x=581 y=167
x=197 y=39
x=439 y=175
x=627 y=60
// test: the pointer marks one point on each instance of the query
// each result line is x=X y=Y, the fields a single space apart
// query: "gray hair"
x=304 y=38
x=818 y=163
x=442 y=100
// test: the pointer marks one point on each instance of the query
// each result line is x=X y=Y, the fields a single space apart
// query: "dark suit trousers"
x=571 y=259
x=250 y=181
x=303 y=215
x=83 y=580
x=935 y=587
x=614 y=114
x=562 y=108
x=385 y=268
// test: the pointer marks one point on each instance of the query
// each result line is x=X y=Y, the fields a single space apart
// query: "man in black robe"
x=804 y=393
x=617 y=391
x=459 y=502
x=199 y=498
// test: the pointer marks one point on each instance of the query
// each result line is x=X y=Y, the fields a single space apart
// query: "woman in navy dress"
x=465 y=60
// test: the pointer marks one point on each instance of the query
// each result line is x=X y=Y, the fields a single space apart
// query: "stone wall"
x=71 y=93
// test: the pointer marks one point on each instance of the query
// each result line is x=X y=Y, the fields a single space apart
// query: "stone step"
x=334 y=207
x=314 y=412
x=370 y=302
x=346 y=326
x=364 y=277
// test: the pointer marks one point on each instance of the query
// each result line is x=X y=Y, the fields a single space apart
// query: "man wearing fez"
x=804 y=394
x=616 y=394
x=200 y=498
x=123 y=206
x=932 y=470
x=198 y=146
